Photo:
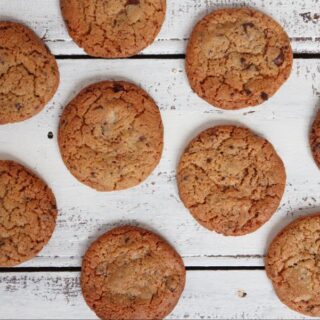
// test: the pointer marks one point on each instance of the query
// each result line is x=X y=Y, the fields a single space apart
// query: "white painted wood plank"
x=208 y=295
x=299 y=17
x=85 y=213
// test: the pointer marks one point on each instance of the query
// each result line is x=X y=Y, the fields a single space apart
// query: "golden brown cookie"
x=27 y=214
x=315 y=139
x=238 y=58
x=113 y=28
x=293 y=265
x=29 y=75
x=111 y=136
x=231 y=180
x=131 y=273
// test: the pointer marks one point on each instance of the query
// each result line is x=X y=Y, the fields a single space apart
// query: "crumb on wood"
x=241 y=293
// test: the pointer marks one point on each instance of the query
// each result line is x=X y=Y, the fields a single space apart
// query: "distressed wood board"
x=208 y=295
x=300 y=18
x=47 y=287
x=84 y=213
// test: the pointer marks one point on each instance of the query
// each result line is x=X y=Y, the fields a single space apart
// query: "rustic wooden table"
x=225 y=276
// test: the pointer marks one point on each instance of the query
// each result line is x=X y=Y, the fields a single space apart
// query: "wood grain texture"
x=208 y=295
x=84 y=213
x=300 y=18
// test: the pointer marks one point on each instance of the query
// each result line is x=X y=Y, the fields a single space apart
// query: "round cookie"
x=113 y=28
x=293 y=265
x=238 y=58
x=131 y=273
x=27 y=214
x=315 y=139
x=29 y=75
x=231 y=180
x=111 y=136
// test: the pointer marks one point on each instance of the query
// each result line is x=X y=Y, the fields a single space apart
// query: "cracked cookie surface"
x=293 y=265
x=315 y=139
x=111 y=136
x=238 y=58
x=27 y=214
x=29 y=75
x=231 y=180
x=113 y=28
x=131 y=273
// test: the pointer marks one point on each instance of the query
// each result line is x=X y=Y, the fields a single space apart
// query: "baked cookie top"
x=315 y=139
x=29 y=75
x=238 y=58
x=231 y=180
x=131 y=273
x=293 y=265
x=113 y=28
x=111 y=136
x=27 y=214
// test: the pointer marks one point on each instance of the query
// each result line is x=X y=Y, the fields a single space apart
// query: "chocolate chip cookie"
x=238 y=58
x=315 y=139
x=111 y=136
x=29 y=75
x=27 y=214
x=231 y=180
x=293 y=265
x=113 y=28
x=131 y=273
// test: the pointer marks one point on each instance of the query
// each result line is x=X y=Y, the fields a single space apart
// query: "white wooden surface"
x=299 y=18
x=208 y=295
x=84 y=214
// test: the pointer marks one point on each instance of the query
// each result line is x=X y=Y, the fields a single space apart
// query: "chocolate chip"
x=19 y=106
x=142 y=138
x=247 y=25
x=93 y=174
x=118 y=88
x=50 y=135
x=278 y=61
x=185 y=178
x=264 y=96
x=133 y=2
x=209 y=160
x=248 y=92
x=317 y=147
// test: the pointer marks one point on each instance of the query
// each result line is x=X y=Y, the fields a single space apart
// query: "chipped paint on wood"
x=300 y=18
x=208 y=295
x=84 y=213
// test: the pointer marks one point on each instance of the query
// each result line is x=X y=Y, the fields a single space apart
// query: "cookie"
x=111 y=136
x=131 y=273
x=27 y=214
x=113 y=28
x=29 y=75
x=231 y=180
x=293 y=265
x=315 y=139
x=238 y=58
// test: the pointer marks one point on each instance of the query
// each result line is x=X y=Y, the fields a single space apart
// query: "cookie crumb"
x=241 y=294
x=50 y=135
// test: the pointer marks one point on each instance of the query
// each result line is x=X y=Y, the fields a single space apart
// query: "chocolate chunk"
x=118 y=88
x=19 y=106
x=264 y=96
x=247 y=25
x=133 y=2
x=248 y=92
x=209 y=160
x=278 y=61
